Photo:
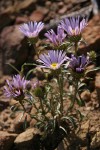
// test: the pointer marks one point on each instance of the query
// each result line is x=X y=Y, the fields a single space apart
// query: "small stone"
x=25 y=140
x=97 y=81
x=19 y=122
x=48 y=3
x=43 y=10
x=92 y=130
x=20 y=20
x=60 y=4
x=32 y=123
x=37 y=15
x=86 y=96
x=96 y=141
x=62 y=10
x=25 y=5
x=85 y=126
x=5 y=118
x=87 y=108
x=54 y=7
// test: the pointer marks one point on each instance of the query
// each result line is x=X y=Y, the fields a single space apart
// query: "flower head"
x=53 y=60
x=78 y=64
x=16 y=87
x=73 y=26
x=58 y=38
x=31 y=30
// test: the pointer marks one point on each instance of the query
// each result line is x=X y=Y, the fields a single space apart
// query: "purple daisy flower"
x=73 y=26
x=16 y=87
x=53 y=60
x=58 y=38
x=78 y=64
x=31 y=30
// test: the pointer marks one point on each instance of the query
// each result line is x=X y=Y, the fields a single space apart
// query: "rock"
x=97 y=81
x=97 y=86
x=20 y=121
x=96 y=141
x=6 y=140
x=25 y=5
x=20 y=20
x=92 y=38
x=60 y=4
x=28 y=140
x=86 y=96
x=32 y=123
x=84 y=130
x=5 y=19
x=44 y=10
x=3 y=104
x=20 y=6
x=85 y=126
x=48 y=4
x=54 y=7
x=37 y=15
x=13 y=47
x=5 y=119
x=94 y=99
x=62 y=10
x=96 y=6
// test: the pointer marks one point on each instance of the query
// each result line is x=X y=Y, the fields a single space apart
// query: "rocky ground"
x=14 y=49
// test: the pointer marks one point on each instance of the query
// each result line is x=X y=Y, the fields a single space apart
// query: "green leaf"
x=13 y=68
x=81 y=115
x=80 y=102
x=63 y=129
x=92 y=70
x=81 y=85
x=26 y=64
x=71 y=120
x=25 y=123
x=29 y=72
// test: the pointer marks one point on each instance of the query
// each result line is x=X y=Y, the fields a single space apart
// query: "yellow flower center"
x=73 y=31
x=54 y=65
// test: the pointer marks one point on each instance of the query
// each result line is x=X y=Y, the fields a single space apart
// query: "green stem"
x=31 y=115
x=75 y=92
x=36 y=51
x=38 y=120
x=60 y=83
x=13 y=68
x=76 y=48
x=52 y=106
x=41 y=104
x=43 y=111
x=23 y=106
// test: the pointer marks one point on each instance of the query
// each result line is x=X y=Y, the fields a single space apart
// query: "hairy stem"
x=76 y=48
x=60 y=83
x=75 y=93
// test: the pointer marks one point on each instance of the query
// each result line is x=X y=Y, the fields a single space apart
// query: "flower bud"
x=39 y=92
x=91 y=55
x=38 y=89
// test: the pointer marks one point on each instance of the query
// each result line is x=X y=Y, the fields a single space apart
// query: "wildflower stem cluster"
x=62 y=67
